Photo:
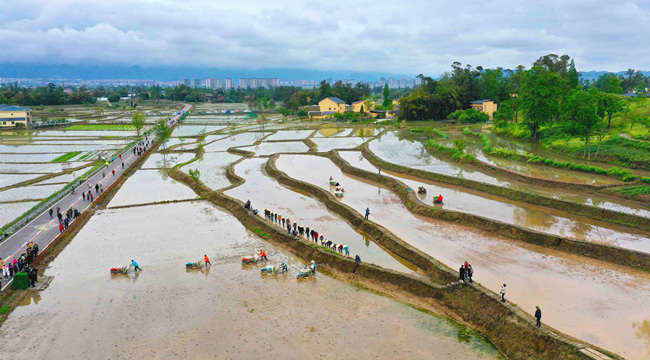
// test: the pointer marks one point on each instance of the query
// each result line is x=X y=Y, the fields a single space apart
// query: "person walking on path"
x=538 y=316
x=113 y=172
x=379 y=171
x=96 y=188
x=122 y=164
x=207 y=260
x=101 y=188
x=51 y=212
x=61 y=227
x=461 y=273
x=135 y=265
x=503 y=293
x=83 y=194
x=367 y=213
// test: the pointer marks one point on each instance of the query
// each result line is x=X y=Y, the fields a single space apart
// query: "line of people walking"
x=304 y=231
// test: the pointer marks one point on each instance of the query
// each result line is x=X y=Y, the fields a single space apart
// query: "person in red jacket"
x=61 y=227
x=207 y=260
x=262 y=255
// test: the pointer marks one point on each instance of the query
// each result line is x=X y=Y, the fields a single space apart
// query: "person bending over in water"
x=262 y=255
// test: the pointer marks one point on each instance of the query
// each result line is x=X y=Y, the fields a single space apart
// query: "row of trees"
x=13 y=94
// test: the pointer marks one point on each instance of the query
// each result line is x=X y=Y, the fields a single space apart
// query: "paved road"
x=43 y=229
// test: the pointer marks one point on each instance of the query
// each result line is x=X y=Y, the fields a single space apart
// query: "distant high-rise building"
x=214 y=83
x=228 y=84
x=198 y=83
x=187 y=82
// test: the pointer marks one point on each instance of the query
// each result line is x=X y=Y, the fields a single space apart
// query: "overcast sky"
x=405 y=36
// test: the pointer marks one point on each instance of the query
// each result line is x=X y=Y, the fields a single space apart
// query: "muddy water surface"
x=582 y=297
x=525 y=215
x=269 y=148
x=290 y=134
x=213 y=168
x=148 y=186
x=265 y=192
x=166 y=161
x=235 y=141
x=226 y=312
x=412 y=153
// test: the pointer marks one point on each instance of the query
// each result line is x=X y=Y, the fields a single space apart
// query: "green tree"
x=114 y=97
x=302 y=114
x=137 y=120
x=613 y=104
x=387 y=103
x=540 y=98
x=580 y=114
x=283 y=111
x=163 y=131
x=573 y=76
x=504 y=114
x=609 y=83
x=195 y=174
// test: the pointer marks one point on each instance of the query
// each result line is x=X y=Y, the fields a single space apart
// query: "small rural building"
x=395 y=102
x=487 y=106
x=367 y=106
x=11 y=115
x=319 y=115
x=332 y=104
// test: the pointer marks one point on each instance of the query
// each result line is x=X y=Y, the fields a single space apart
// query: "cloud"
x=402 y=37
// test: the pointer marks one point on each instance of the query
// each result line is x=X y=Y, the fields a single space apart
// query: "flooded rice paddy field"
x=65 y=178
x=27 y=158
x=213 y=167
x=265 y=192
x=327 y=132
x=521 y=214
x=192 y=130
x=166 y=161
x=55 y=149
x=72 y=133
x=267 y=148
x=413 y=153
x=227 y=311
x=10 y=211
x=149 y=186
x=290 y=135
x=13 y=179
x=338 y=143
x=29 y=192
x=539 y=171
x=582 y=297
x=237 y=140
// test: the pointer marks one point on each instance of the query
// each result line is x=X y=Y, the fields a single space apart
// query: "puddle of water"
x=8 y=212
x=290 y=135
x=265 y=192
x=267 y=148
x=147 y=186
x=413 y=154
x=525 y=215
x=167 y=312
x=166 y=161
x=213 y=167
x=579 y=296
x=191 y=130
x=338 y=143
x=242 y=139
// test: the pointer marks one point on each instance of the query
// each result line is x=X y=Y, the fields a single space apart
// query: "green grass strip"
x=66 y=157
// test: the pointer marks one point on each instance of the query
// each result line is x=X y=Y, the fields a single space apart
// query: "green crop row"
x=646 y=179
x=633 y=191
x=456 y=154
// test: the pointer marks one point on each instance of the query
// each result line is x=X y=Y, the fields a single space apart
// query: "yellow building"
x=332 y=104
x=487 y=106
x=320 y=115
x=11 y=115
x=367 y=106
x=395 y=102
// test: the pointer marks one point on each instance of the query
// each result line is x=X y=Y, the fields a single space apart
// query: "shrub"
x=469 y=116
x=195 y=174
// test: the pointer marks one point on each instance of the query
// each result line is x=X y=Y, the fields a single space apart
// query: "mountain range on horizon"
x=177 y=73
